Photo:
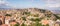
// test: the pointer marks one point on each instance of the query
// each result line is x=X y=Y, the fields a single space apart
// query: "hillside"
x=30 y=16
x=41 y=13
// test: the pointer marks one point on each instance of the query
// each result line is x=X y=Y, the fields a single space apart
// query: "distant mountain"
x=55 y=10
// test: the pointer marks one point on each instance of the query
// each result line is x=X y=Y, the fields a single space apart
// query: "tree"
x=27 y=13
x=37 y=15
x=37 y=19
x=24 y=18
x=48 y=15
x=56 y=16
x=8 y=15
x=17 y=24
x=23 y=24
x=38 y=24
x=47 y=25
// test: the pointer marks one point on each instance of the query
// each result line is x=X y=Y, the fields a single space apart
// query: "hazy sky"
x=31 y=3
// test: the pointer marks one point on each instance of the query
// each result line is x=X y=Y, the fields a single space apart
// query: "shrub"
x=23 y=24
x=16 y=25
x=37 y=15
x=24 y=18
x=8 y=15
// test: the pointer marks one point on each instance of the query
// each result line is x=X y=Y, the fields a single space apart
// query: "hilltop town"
x=28 y=17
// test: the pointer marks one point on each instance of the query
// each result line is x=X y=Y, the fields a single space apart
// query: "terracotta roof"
x=45 y=22
x=0 y=16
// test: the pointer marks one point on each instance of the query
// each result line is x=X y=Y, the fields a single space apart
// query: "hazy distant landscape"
x=29 y=12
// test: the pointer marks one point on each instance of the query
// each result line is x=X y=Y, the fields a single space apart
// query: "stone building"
x=2 y=19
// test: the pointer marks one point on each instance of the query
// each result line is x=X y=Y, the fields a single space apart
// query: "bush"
x=56 y=16
x=47 y=25
x=38 y=24
x=37 y=15
x=23 y=24
x=24 y=18
x=8 y=15
x=27 y=13
x=16 y=25
x=37 y=19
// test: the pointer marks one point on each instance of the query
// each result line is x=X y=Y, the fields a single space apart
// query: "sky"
x=46 y=4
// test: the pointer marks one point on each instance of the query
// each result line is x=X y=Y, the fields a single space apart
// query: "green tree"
x=23 y=24
x=56 y=16
x=47 y=25
x=16 y=25
x=27 y=13
x=24 y=18
x=37 y=19
x=38 y=24
x=37 y=15
x=8 y=15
